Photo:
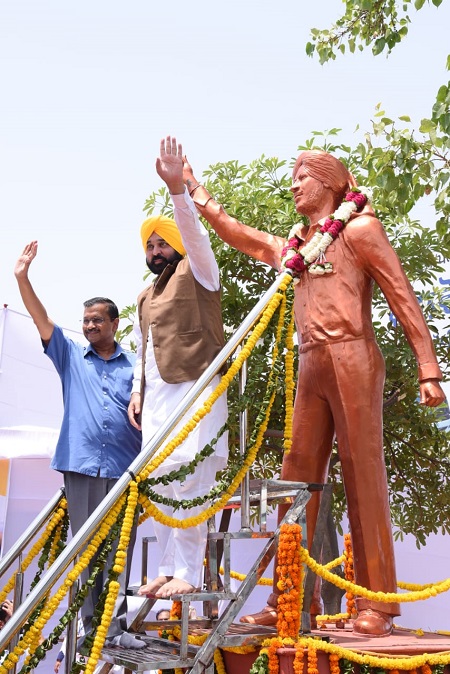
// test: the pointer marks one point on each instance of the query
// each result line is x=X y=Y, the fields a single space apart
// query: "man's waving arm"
x=31 y=301
x=169 y=167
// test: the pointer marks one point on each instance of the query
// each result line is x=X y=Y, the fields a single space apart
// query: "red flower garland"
x=312 y=254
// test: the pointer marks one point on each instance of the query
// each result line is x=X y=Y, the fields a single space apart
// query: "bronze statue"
x=341 y=375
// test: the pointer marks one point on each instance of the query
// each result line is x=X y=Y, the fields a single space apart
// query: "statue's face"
x=307 y=192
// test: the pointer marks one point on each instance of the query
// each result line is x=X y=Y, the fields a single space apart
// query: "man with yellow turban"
x=178 y=334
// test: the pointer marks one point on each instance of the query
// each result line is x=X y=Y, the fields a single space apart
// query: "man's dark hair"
x=111 y=308
x=162 y=610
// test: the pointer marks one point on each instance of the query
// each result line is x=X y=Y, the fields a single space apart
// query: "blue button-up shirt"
x=96 y=436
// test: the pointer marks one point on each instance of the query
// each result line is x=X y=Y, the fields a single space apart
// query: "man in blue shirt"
x=96 y=443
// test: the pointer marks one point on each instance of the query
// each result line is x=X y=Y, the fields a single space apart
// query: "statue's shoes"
x=372 y=623
x=268 y=616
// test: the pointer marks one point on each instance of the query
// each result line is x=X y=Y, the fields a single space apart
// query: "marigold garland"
x=299 y=659
x=55 y=546
x=175 y=610
x=413 y=586
x=334 y=562
x=30 y=635
x=219 y=663
x=243 y=576
x=239 y=649
x=271 y=651
x=312 y=661
x=53 y=522
x=331 y=565
x=434 y=590
x=114 y=586
x=290 y=581
x=324 y=618
x=396 y=663
x=349 y=573
x=289 y=384
x=334 y=664
x=61 y=530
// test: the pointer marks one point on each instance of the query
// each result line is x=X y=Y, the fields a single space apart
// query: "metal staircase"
x=220 y=629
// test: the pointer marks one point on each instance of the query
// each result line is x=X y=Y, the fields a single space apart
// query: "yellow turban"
x=166 y=228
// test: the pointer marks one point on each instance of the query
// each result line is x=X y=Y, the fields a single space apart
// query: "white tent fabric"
x=27 y=442
x=30 y=389
x=30 y=417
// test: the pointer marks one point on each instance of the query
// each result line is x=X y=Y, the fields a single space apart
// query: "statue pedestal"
x=286 y=659
x=239 y=663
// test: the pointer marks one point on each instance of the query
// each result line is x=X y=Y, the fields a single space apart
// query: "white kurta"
x=183 y=549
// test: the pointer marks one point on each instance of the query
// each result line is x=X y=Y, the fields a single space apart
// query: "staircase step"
x=163 y=654
x=157 y=654
x=275 y=489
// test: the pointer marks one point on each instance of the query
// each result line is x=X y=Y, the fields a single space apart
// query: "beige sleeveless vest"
x=186 y=323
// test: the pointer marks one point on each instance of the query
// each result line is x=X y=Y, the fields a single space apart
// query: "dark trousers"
x=84 y=493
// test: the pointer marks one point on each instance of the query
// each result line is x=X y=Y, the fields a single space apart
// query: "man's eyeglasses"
x=95 y=321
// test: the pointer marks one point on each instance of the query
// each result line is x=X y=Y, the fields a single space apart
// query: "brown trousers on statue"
x=340 y=390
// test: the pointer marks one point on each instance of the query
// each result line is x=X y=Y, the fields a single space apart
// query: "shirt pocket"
x=330 y=256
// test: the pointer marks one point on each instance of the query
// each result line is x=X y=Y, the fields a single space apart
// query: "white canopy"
x=30 y=389
x=27 y=442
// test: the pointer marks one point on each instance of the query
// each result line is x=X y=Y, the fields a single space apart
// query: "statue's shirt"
x=337 y=306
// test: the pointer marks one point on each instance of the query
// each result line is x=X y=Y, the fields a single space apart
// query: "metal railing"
x=19 y=546
x=80 y=539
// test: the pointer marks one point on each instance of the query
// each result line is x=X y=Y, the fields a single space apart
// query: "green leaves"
x=364 y=23
x=408 y=168
x=261 y=665
x=404 y=168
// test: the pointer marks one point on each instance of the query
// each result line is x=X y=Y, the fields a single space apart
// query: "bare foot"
x=268 y=616
x=174 y=586
x=151 y=588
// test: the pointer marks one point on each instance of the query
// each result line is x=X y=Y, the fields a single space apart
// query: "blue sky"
x=89 y=88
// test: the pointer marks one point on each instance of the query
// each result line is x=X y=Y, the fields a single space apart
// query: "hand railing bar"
x=243 y=421
x=17 y=599
x=78 y=541
x=29 y=533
